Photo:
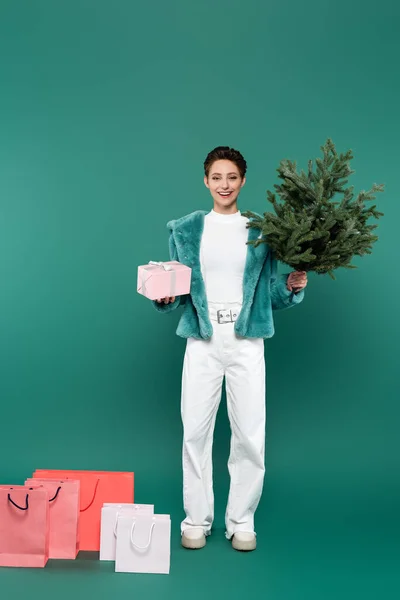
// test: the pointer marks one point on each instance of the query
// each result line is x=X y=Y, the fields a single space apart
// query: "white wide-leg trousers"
x=206 y=362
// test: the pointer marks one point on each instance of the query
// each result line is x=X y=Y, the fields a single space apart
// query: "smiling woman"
x=227 y=316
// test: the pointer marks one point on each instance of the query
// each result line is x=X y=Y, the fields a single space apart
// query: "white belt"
x=223 y=315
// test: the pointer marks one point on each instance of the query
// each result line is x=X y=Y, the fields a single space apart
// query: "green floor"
x=316 y=543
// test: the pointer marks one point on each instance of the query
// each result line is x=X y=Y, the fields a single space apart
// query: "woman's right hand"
x=166 y=300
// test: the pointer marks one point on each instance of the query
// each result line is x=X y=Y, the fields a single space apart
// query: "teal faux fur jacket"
x=263 y=290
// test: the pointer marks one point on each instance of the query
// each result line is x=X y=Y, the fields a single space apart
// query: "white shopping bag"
x=143 y=544
x=108 y=526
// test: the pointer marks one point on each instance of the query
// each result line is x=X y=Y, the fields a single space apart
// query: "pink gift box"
x=163 y=279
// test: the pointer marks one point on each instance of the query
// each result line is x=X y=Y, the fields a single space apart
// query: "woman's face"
x=224 y=182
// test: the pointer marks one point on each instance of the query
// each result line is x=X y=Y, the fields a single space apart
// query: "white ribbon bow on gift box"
x=166 y=267
x=161 y=264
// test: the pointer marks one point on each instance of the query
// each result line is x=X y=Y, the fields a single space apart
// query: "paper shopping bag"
x=108 y=527
x=97 y=487
x=143 y=544
x=64 y=515
x=24 y=526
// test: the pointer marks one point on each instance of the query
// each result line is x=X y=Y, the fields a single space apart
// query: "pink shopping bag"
x=24 y=526
x=64 y=515
x=97 y=487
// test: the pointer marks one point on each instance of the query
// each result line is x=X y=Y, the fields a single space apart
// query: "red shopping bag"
x=24 y=526
x=97 y=487
x=64 y=515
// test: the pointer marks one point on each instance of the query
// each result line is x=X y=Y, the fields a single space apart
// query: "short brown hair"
x=225 y=153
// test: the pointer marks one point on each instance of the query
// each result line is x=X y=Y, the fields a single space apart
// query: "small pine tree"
x=311 y=229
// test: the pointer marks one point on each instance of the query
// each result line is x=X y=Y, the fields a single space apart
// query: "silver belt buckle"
x=226 y=316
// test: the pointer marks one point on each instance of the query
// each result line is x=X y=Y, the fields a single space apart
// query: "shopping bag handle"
x=150 y=536
x=116 y=521
x=116 y=524
x=27 y=500
x=56 y=494
x=94 y=496
x=16 y=505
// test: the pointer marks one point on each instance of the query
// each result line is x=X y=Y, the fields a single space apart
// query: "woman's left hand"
x=296 y=281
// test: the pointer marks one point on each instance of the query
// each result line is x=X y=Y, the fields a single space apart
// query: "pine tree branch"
x=311 y=228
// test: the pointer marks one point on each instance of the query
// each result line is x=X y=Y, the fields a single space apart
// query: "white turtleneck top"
x=223 y=253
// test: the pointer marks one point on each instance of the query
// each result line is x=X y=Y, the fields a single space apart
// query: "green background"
x=107 y=111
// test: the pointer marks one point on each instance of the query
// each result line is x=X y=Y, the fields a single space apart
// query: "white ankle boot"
x=194 y=538
x=244 y=541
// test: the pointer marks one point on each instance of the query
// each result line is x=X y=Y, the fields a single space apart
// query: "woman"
x=227 y=316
